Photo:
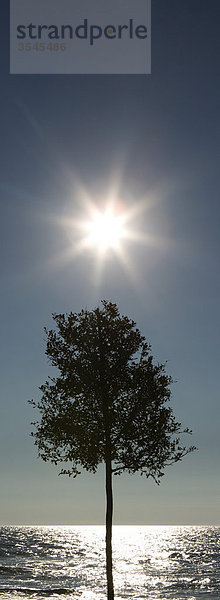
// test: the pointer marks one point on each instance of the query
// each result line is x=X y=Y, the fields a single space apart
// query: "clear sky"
x=156 y=139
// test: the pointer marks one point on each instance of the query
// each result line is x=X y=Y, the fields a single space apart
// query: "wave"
x=30 y=591
x=5 y=570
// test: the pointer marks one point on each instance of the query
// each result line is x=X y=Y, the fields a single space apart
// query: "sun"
x=105 y=230
x=104 y=227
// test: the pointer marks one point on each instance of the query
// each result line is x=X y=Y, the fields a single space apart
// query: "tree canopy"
x=108 y=396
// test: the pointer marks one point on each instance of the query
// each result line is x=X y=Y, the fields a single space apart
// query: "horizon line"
x=114 y=525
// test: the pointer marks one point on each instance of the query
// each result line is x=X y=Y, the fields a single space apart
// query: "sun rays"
x=105 y=228
x=103 y=231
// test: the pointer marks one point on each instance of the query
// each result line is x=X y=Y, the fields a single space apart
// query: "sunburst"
x=104 y=227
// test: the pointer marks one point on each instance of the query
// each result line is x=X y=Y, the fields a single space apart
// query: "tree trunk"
x=108 y=463
x=109 y=513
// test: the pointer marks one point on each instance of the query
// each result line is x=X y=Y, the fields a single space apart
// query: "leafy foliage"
x=109 y=397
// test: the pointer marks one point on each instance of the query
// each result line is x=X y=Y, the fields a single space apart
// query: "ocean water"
x=149 y=562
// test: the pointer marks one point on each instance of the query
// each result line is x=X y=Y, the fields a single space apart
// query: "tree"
x=108 y=404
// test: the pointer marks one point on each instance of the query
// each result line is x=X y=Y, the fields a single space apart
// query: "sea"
x=151 y=562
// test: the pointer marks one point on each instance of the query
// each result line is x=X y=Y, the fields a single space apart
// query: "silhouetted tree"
x=108 y=405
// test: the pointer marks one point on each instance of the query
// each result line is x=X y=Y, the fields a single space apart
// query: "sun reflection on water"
x=157 y=563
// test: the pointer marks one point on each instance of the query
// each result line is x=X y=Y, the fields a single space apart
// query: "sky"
x=153 y=140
